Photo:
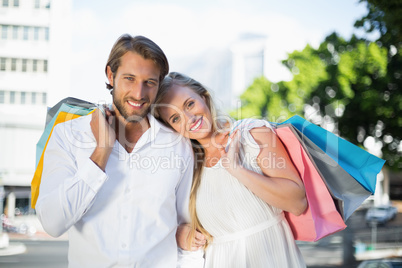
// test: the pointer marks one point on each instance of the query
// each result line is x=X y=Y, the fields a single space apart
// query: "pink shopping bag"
x=321 y=218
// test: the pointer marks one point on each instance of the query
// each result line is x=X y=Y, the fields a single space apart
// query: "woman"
x=242 y=182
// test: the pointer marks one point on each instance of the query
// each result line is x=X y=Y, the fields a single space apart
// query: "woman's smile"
x=197 y=125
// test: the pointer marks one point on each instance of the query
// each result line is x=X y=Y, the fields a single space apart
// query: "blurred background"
x=335 y=63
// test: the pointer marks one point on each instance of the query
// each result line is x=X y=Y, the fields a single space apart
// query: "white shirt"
x=126 y=216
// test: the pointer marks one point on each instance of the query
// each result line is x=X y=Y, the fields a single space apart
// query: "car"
x=383 y=263
x=380 y=214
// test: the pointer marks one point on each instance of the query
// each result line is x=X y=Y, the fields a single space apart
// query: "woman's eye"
x=175 y=119
x=190 y=104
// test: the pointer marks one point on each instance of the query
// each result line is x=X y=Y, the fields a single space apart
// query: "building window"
x=33 y=97
x=12 y=97
x=47 y=34
x=23 y=97
x=15 y=32
x=35 y=65
x=2 y=64
x=24 y=65
x=2 y=96
x=13 y=65
x=4 y=31
x=44 y=98
x=36 y=33
x=26 y=33
x=5 y=3
x=37 y=3
x=16 y=3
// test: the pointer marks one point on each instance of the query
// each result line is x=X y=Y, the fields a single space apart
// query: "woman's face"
x=187 y=113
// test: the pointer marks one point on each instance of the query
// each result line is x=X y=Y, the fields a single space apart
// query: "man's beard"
x=132 y=118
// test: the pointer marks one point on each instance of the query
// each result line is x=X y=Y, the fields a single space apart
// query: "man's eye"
x=151 y=83
x=129 y=78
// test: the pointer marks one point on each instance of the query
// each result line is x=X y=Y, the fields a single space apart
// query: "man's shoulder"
x=174 y=140
x=79 y=124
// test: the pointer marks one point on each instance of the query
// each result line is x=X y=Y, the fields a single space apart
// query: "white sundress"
x=247 y=231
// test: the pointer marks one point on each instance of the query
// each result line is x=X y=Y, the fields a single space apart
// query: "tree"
x=354 y=84
x=384 y=17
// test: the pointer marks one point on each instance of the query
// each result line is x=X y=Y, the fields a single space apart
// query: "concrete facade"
x=35 y=53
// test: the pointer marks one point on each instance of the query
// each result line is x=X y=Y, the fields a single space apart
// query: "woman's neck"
x=212 y=148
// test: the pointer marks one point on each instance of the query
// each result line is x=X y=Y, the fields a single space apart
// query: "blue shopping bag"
x=359 y=163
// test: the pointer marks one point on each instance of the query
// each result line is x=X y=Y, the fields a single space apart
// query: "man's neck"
x=128 y=133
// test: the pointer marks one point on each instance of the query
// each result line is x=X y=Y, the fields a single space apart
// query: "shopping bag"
x=362 y=165
x=71 y=102
x=63 y=111
x=67 y=109
x=347 y=193
x=321 y=218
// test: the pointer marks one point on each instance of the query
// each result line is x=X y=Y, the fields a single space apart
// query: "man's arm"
x=66 y=191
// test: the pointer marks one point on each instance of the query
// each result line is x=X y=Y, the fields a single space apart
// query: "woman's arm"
x=280 y=184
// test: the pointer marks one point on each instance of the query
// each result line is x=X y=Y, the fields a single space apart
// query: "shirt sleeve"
x=184 y=186
x=187 y=259
x=190 y=259
x=66 y=192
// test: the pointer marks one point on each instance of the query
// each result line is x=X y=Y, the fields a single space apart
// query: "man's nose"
x=137 y=91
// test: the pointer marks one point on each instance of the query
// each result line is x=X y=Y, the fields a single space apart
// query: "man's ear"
x=109 y=75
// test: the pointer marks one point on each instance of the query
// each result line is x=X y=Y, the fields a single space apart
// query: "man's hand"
x=182 y=234
x=105 y=137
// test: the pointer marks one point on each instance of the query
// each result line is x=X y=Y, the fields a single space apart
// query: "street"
x=39 y=254
x=327 y=252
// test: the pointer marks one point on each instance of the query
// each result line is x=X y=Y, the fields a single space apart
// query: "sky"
x=187 y=29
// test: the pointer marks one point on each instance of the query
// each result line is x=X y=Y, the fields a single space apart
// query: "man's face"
x=135 y=85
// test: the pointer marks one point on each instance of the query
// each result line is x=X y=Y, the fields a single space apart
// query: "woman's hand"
x=230 y=160
x=182 y=235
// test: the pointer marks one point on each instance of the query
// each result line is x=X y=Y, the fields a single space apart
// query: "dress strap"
x=250 y=231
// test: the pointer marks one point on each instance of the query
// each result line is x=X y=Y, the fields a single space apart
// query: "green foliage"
x=354 y=83
x=384 y=17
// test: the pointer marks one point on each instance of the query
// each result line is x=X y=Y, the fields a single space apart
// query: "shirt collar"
x=151 y=133
x=157 y=125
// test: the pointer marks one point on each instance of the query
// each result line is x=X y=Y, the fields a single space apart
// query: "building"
x=35 y=39
x=227 y=72
x=248 y=63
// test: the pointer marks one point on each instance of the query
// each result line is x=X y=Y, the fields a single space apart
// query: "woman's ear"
x=109 y=75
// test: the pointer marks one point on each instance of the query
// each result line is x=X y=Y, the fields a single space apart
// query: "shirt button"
x=125 y=217
x=123 y=245
x=127 y=191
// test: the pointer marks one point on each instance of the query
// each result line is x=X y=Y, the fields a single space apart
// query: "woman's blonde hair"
x=219 y=123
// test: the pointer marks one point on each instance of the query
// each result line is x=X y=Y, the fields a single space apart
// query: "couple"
x=118 y=214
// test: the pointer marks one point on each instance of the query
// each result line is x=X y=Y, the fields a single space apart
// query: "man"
x=119 y=184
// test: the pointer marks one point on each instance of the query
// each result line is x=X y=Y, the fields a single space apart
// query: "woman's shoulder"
x=249 y=124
